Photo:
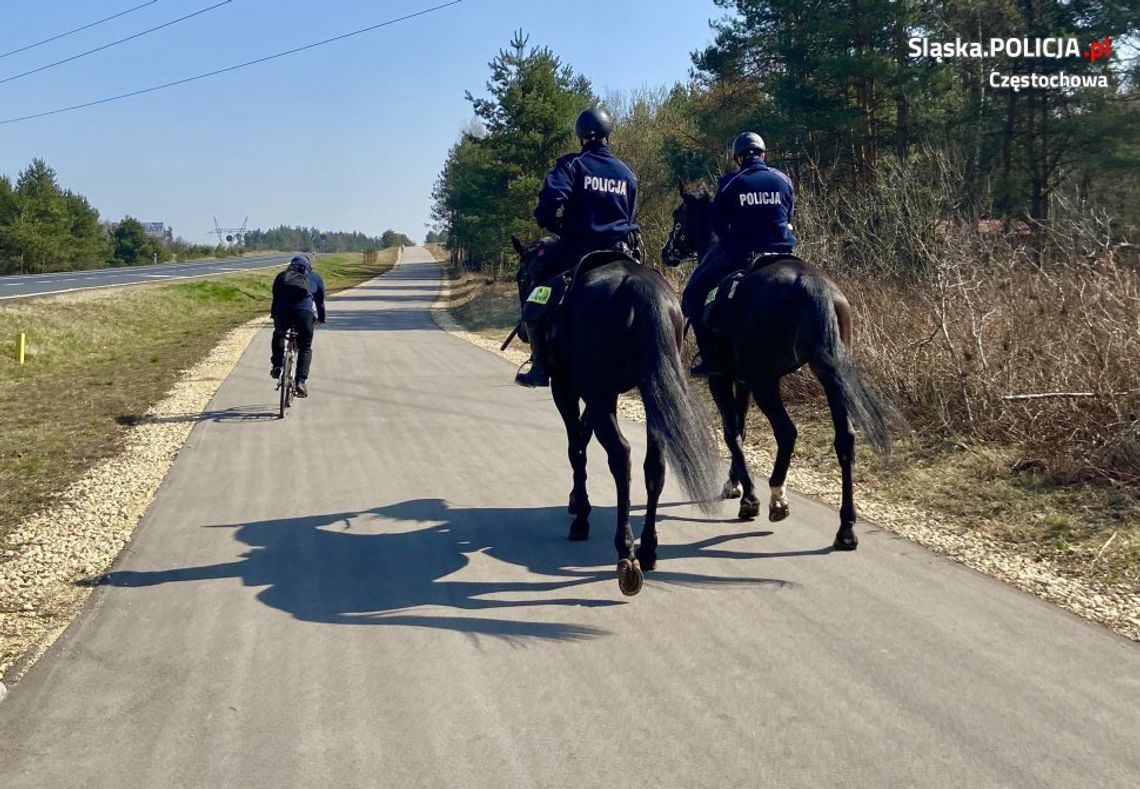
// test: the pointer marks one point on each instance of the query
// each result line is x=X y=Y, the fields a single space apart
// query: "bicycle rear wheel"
x=286 y=384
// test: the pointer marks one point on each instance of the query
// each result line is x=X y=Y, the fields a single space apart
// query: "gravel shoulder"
x=1114 y=606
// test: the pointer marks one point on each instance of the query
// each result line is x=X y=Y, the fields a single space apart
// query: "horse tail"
x=869 y=410
x=671 y=411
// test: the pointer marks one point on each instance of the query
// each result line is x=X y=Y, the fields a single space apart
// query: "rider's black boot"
x=706 y=345
x=536 y=374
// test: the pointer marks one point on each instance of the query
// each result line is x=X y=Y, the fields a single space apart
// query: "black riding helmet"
x=746 y=143
x=593 y=124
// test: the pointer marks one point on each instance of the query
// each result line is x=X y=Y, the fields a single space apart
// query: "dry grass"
x=982 y=332
x=97 y=359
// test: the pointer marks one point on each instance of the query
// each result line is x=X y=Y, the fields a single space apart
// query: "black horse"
x=620 y=328
x=783 y=315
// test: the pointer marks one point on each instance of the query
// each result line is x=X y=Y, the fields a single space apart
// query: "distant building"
x=157 y=230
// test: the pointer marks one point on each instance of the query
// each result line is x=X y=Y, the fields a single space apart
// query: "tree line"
x=311 y=239
x=45 y=227
x=848 y=110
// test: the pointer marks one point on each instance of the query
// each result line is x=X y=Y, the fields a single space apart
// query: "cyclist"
x=297 y=292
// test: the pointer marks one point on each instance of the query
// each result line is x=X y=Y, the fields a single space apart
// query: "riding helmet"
x=748 y=142
x=593 y=124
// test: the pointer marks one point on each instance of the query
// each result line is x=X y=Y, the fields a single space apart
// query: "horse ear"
x=518 y=245
x=681 y=188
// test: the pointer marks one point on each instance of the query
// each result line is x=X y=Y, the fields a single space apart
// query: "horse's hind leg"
x=733 y=488
x=770 y=401
x=845 y=539
x=578 y=436
x=605 y=425
x=654 y=483
x=728 y=405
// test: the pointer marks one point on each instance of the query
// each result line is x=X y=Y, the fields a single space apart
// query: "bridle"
x=675 y=243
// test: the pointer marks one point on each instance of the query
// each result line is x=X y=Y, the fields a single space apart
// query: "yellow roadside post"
x=20 y=348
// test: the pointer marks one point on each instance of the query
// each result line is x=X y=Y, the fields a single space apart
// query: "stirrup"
x=703 y=369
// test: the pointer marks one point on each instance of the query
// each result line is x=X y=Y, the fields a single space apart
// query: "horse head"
x=692 y=226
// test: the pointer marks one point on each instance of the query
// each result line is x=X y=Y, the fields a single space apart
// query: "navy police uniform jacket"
x=597 y=193
x=283 y=302
x=753 y=208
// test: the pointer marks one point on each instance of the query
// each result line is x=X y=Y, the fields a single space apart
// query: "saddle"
x=718 y=298
x=553 y=292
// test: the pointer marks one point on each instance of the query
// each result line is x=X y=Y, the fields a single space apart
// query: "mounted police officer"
x=752 y=215
x=589 y=199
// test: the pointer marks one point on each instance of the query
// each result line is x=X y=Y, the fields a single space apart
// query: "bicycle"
x=286 y=383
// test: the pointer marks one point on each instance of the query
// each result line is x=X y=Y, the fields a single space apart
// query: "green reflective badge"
x=540 y=295
x=712 y=295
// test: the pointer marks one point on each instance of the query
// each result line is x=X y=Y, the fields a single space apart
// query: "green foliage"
x=182 y=250
x=492 y=175
x=46 y=228
x=311 y=239
x=390 y=238
x=131 y=244
x=834 y=87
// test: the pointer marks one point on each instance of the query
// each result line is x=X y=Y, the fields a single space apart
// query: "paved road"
x=21 y=286
x=378 y=592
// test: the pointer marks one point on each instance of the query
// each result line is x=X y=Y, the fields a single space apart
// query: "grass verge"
x=1089 y=532
x=98 y=359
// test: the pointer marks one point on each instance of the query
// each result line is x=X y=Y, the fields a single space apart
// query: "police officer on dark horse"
x=752 y=215
x=615 y=326
x=779 y=314
x=596 y=194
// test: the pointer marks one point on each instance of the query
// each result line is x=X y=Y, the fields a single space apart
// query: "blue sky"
x=347 y=136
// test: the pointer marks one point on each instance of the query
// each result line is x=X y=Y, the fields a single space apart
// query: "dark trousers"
x=716 y=265
x=303 y=321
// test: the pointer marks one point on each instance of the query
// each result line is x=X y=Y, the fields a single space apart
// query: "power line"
x=78 y=29
x=229 y=68
x=115 y=43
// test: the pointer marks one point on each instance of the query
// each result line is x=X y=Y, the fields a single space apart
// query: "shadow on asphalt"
x=375 y=568
x=418 y=319
x=244 y=413
x=422 y=297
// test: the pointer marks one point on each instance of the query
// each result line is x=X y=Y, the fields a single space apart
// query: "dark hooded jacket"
x=283 y=299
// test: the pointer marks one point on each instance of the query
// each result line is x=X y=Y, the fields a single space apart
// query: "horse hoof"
x=579 y=531
x=647 y=560
x=731 y=490
x=777 y=512
x=630 y=577
x=749 y=510
x=845 y=542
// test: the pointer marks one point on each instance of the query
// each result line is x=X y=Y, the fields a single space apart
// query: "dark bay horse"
x=620 y=329
x=783 y=315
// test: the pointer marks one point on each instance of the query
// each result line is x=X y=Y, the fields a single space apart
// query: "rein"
x=511 y=336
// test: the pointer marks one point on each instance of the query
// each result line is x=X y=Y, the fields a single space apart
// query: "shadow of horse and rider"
x=385 y=565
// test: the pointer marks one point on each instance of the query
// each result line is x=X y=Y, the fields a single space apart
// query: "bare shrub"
x=991 y=330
